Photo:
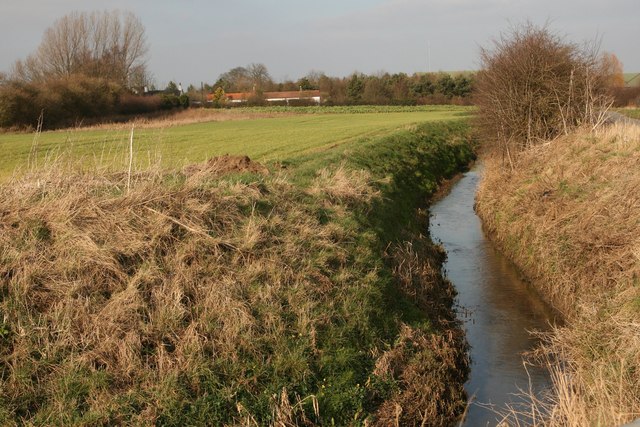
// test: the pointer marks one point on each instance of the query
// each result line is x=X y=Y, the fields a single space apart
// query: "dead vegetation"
x=184 y=117
x=224 y=165
x=567 y=214
x=429 y=366
x=535 y=86
x=195 y=297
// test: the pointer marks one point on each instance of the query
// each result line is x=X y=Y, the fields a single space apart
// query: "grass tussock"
x=568 y=216
x=194 y=297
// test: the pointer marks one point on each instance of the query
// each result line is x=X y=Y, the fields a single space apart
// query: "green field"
x=632 y=79
x=268 y=139
x=634 y=113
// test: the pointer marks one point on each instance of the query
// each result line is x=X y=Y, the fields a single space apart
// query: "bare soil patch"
x=227 y=164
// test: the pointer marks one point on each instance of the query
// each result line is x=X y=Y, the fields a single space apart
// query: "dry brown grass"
x=132 y=304
x=416 y=355
x=569 y=215
x=185 y=117
x=150 y=284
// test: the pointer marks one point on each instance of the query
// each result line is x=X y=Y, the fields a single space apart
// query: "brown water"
x=497 y=307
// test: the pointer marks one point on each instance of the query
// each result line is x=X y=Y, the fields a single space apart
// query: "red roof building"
x=286 y=96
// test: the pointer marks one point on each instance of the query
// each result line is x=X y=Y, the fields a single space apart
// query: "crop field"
x=632 y=79
x=633 y=113
x=279 y=137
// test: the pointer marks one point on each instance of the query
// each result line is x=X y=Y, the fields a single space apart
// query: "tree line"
x=356 y=89
x=108 y=44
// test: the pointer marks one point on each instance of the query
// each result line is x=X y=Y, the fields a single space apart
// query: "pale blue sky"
x=197 y=40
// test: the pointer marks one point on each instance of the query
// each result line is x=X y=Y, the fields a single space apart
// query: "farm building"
x=279 y=97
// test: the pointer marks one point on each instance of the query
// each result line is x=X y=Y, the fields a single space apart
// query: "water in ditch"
x=498 y=309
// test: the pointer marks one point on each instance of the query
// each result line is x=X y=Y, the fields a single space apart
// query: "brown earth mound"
x=223 y=165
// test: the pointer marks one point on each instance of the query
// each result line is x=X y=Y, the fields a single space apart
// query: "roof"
x=243 y=96
x=293 y=94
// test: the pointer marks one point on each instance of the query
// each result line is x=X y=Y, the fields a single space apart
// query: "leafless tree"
x=236 y=80
x=253 y=77
x=259 y=76
x=534 y=86
x=108 y=44
x=613 y=69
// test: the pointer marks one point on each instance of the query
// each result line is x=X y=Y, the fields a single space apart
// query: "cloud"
x=196 y=40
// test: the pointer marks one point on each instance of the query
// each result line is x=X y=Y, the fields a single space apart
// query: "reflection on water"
x=496 y=306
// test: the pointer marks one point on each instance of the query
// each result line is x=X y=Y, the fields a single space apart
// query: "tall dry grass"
x=185 y=117
x=158 y=282
x=184 y=297
x=568 y=214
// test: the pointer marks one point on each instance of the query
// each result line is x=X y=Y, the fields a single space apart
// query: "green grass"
x=634 y=113
x=267 y=139
x=632 y=79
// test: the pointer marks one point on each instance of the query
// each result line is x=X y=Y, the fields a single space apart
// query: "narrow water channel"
x=497 y=307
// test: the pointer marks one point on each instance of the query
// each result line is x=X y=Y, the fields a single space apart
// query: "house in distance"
x=286 y=97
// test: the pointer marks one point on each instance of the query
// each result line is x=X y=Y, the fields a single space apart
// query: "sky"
x=193 y=41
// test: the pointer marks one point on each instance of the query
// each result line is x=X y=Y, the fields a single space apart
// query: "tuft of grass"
x=191 y=297
x=574 y=204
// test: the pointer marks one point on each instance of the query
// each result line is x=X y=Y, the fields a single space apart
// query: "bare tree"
x=109 y=44
x=254 y=77
x=612 y=69
x=259 y=76
x=235 y=80
x=534 y=86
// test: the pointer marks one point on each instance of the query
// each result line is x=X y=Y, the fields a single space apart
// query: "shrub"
x=183 y=101
x=16 y=104
x=534 y=86
x=70 y=100
x=64 y=101
x=135 y=104
x=167 y=102
x=626 y=96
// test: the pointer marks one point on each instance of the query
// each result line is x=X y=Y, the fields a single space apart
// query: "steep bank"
x=301 y=297
x=568 y=215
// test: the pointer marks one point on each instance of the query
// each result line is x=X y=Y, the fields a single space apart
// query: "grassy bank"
x=568 y=215
x=300 y=297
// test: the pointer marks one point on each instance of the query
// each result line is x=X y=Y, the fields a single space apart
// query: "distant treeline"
x=357 y=89
x=77 y=98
